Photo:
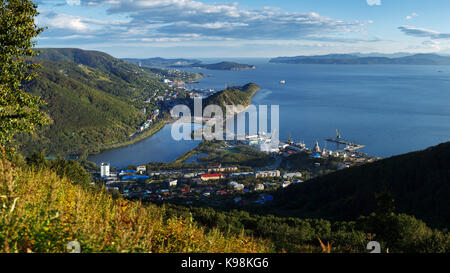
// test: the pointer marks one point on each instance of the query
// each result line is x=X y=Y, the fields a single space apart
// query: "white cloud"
x=62 y=21
x=175 y=20
x=433 y=44
x=409 y=17
x=374 y=2
x=66 y=25
x=422 y=32
x=73 y=2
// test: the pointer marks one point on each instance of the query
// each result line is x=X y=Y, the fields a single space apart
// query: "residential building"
x=292 y=175
x=212 y=176
x=261 y=174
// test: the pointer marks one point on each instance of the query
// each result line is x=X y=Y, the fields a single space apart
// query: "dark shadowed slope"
x=418 y=181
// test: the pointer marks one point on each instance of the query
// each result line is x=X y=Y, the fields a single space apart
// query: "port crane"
x=349 y=146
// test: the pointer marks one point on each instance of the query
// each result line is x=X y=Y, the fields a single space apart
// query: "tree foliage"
x=19 y=111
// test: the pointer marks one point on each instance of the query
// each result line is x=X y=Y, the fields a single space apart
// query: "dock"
x=349 y=146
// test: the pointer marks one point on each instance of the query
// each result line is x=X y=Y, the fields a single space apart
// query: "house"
x=275 y=173
x=241 y=174
x=127 y=172
x=285 y=184
x=236 y=186
x=170 y=183
x=189 y=175
x=212 y=176
x=292 y=175
x=259 y=187
x=141 y=169
x=222 y=169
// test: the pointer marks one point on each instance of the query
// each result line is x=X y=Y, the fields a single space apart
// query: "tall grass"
x=41 y=212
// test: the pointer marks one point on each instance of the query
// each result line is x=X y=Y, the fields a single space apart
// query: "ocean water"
x=392 y=109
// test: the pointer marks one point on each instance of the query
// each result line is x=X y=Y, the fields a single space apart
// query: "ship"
x=282 y=81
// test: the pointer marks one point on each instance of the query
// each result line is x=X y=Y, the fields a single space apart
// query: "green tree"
x=72 y=170
x=37 y=159
x=19 y=110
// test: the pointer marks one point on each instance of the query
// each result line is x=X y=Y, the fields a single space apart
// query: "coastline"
x=182 y=158
x=142 y=136
x=155 y=129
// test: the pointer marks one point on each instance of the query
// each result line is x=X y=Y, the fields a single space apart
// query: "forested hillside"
x=233 y=96
x=93 y=100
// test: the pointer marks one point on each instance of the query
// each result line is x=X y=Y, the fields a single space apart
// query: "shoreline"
x=142 y=136
x=155 y=129
x=185 y=156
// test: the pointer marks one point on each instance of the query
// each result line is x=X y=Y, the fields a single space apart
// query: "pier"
x=349 y=146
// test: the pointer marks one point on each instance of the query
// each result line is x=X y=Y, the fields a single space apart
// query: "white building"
x=142 y=168
x=292 y=175
x=104 y=169
x=275 y=173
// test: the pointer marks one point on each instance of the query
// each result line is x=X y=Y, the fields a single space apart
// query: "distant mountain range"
x=160 y=62
x=222 y=66
x=185 y=63
x=417 y=59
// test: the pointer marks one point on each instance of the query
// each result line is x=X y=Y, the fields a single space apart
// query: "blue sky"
x=245 y=28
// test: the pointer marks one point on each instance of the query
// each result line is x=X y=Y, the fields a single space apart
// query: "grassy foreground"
x=40 y=212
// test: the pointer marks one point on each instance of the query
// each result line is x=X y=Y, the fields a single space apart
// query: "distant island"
x=188 y=63
x=160 y=62
x=221 y=66
x=417 y=59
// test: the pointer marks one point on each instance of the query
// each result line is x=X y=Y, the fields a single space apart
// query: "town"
x=213 y=184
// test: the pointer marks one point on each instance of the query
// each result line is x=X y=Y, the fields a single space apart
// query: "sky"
x=245 y=28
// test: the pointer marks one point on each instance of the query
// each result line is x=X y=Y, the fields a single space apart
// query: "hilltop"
x=419 y=182
x=93 y=100
x=233 y=96
x=417 y=59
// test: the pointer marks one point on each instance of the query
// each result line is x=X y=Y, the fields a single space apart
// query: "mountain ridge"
x=416 y=59
x=93 y=100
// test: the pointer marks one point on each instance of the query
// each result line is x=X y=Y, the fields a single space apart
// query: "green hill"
x=418 y=181
x=104 y=72
x=93 y=100
x=233 y=96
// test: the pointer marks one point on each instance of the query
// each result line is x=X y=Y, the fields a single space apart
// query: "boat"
x=283 y=82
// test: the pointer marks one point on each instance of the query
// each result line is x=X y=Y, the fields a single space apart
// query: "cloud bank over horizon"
x=194 y=23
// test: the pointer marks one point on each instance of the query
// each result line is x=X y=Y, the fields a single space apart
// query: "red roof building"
x=212 y=176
